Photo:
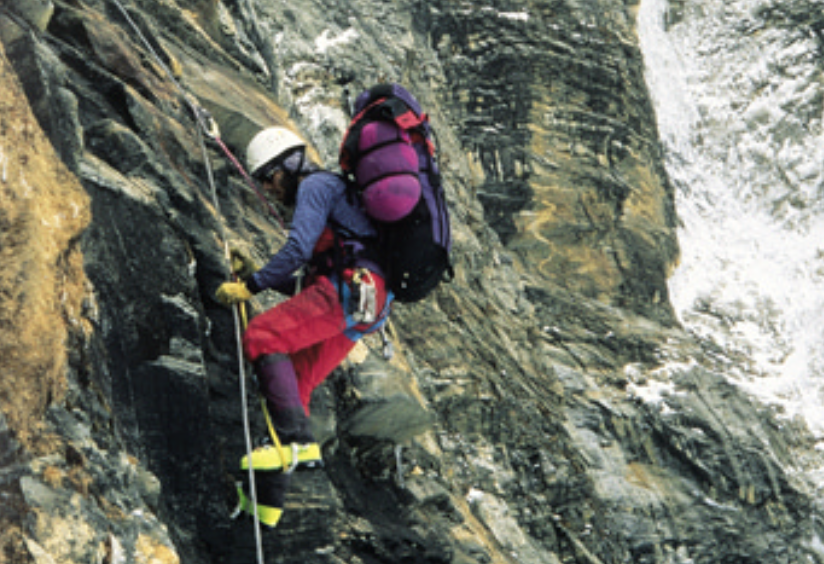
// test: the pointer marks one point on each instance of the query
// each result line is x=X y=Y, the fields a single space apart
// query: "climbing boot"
x=289 y=457
x=289 y=425
x=269 y=516
x=270 y=491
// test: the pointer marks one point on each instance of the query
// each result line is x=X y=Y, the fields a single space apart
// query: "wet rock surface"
x=543 y=408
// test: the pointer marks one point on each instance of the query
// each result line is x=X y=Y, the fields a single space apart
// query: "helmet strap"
x=291 y=179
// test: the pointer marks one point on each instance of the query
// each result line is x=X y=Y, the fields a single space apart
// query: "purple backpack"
x=388 y=156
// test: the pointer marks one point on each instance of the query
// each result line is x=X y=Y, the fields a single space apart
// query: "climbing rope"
x=208 y=127
x=276 y=441
x=204 y=119
x=239 y=316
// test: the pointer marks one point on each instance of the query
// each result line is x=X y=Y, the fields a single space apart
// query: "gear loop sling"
x=209 y=127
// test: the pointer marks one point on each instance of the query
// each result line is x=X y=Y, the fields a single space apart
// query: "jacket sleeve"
x=315 y=202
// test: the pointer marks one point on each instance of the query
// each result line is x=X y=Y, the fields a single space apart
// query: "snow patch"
x=474 y=496
x=739 y=115
x=520 y=16
x=652 y=391
x=326 y=41
x=654 y=387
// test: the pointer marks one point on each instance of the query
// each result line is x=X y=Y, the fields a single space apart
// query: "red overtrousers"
x=312 y=329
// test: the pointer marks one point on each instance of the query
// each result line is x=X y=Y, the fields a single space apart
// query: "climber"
x=297 y=343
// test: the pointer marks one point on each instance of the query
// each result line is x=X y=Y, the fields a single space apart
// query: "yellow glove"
x=242 y=264
x=230 y=293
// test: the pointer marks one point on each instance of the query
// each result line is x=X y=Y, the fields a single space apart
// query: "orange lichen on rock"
x=43 y=210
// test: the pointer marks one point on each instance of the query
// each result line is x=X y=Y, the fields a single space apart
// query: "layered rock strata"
x=543 y=407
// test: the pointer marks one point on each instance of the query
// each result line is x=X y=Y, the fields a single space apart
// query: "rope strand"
x=250 y=182
x=238 y=313
x=208 y=127
x=204 y=119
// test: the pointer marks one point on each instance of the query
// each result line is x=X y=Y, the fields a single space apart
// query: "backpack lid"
x=390 y=102
x=387 y=91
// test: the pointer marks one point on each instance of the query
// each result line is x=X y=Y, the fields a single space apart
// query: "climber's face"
x=275 y=185
x=281 y=185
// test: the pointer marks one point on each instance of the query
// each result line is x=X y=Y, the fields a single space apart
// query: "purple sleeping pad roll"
x=388 y=171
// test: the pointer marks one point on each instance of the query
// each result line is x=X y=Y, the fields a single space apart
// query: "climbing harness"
x=360 y=306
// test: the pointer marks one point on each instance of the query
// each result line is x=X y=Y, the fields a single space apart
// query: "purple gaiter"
x=279 y=385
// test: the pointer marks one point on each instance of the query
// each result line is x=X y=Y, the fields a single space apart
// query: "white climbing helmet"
x=268 y=145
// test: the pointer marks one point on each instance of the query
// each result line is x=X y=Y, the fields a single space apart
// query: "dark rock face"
x=544 y=407
x=552 y=115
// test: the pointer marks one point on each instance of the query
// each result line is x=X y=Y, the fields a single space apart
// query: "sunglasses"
x=267 y=173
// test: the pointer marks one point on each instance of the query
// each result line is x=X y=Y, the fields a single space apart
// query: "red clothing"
x=312 y=329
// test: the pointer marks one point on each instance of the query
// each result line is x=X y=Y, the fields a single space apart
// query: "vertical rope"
x=203 y=119
x=248 y=179
x=210 y=129
x=238 y=314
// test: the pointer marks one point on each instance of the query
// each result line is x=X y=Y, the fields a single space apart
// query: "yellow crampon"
x=277 y=456
x=270 y=457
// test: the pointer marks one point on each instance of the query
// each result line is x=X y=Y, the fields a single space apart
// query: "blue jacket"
x=321 y=202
